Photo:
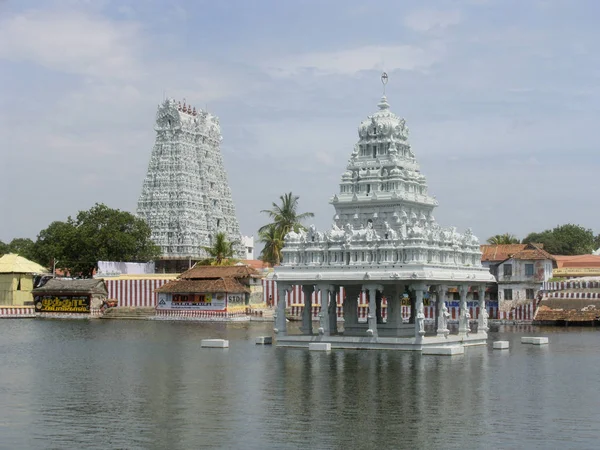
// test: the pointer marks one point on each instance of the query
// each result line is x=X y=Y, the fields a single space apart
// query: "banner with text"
x=64 y=304
x=197 y=302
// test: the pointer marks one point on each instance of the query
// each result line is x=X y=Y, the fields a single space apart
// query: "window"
x=374 y=151
x=529 y=294
x=508 y=270
x=507 y=294
x=528 y=270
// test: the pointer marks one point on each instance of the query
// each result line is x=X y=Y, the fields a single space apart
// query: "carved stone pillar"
x=442 y=311
x=394 y=306
x=351 y=306
x=333 y=310
x=372 y=317
x=463 y=318
x=280 y=320
x=326 y=290
x=482 y=325
x=307 y=328
x=420 y=290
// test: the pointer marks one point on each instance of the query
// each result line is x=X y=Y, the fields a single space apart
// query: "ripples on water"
x=141 y=384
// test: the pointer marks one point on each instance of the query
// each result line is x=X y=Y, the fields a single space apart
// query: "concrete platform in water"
x=383 y=343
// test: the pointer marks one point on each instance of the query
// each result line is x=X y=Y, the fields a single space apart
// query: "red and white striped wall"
x=573 y=295
x=571 y=284
x=9 y=312
x=134 y=292
x=167 y=314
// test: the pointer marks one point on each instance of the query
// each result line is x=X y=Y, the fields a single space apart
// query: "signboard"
x=235 y=298
x=63 y=304
x=195 y=302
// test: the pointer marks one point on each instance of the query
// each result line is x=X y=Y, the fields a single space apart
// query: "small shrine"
x=385 y=242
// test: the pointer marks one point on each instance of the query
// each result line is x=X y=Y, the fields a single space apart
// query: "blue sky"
x=502 y=98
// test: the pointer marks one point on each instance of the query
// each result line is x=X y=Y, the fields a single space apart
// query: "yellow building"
x=16 y=279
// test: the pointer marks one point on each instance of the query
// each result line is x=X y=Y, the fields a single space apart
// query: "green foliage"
x=24 y=247
x=503 y=239
x=597 y=242
x=566 y=239
x=99 y=234
x=285 y=217
x=3 y=248
x=271 y=252
x=221 y=252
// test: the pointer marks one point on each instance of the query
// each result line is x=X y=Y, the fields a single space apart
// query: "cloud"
x=353 y=61
x=74 y=43
x=428 y=19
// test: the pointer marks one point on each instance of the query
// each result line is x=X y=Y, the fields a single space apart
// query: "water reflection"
x=118 y=384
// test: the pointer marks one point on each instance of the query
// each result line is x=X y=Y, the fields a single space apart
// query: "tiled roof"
x=564 y=262
x=497 y=253
x=215 y=272
x=229 y=285
x=255 y=263
x=533 y=252
x=86 y=286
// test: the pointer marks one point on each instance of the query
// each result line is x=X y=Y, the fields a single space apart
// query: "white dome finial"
x=384 y=81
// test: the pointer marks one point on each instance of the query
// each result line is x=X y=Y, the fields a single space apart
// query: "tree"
x=566 y=239
x=99 y=234
x=24 y=247
x=3 y=248
x=271 y=252
x=221 y=252
x=597 y=242
x=503 y=239
x=285 y=218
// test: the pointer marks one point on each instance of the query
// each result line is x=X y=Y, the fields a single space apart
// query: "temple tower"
x=185 y=196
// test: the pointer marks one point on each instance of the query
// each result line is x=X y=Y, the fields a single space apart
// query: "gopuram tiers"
x=186 y=199
x=384 y=241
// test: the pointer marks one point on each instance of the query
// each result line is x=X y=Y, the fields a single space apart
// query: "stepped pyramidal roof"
x=383 y=224
x=186 y=199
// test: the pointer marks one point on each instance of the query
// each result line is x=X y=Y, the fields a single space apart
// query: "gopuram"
x=385 y=241
x=186 y=199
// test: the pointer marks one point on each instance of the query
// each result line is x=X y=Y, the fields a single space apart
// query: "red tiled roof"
x=564 y=262
x=533 y=252
x=497 y=253
x=229 y=285
x=215 y=272
x=256 y=263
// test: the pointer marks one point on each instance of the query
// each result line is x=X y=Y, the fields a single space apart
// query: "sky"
x=502 y=98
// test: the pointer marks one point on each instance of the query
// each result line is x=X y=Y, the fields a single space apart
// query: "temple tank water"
x=149 y=385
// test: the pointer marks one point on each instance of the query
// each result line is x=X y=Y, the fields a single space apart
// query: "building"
x=211 y=292
x=60 y=296
x=576 y=266
x=248 y=243
x=17 y=279
x=570 y=302
x=384 y=241
x=185 y=198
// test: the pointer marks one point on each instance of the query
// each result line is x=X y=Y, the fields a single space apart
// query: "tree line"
x=78 y=243
x=568 y=239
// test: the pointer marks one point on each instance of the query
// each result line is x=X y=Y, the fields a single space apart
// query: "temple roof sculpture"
x=383 y=224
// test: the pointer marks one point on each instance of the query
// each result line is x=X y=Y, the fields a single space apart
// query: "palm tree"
x=285 y=218
x=221 y=252
x=271 y=252
x=503 y=239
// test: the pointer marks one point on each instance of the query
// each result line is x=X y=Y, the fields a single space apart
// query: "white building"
x=521 y=276
x=248 y=243
x=186 y=199
x=384 y=240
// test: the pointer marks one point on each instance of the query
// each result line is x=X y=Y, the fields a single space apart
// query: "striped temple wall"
x=16 y=312
x=549 y=286
x=295 y=303
x=134 y=293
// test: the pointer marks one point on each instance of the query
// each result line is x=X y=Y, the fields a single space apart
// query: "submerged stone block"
x=447 y=350
x=264 y=340
x=214 y=343
x=501 y=345
x=319 y=346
